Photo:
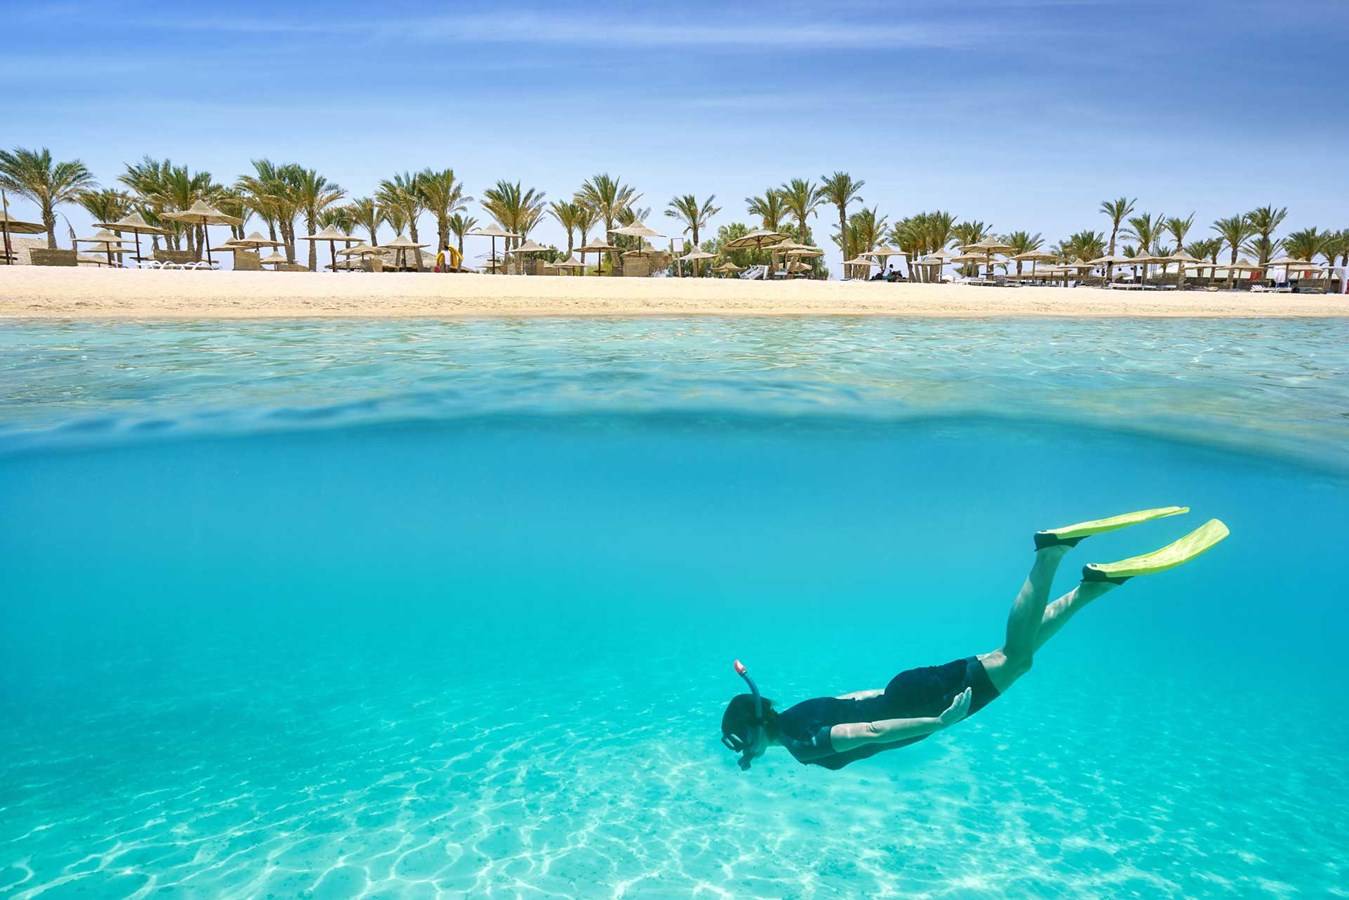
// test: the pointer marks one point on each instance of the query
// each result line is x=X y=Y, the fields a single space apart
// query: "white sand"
x=27 y=291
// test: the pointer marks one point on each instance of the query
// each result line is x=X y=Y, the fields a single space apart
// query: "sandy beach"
x=31 y=292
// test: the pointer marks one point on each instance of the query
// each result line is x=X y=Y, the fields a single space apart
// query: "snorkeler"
x=835 y=731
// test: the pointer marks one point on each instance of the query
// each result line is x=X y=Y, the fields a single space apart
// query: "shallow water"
x=423 y=607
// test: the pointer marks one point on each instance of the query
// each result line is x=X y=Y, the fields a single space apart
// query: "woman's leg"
x=1013 y=659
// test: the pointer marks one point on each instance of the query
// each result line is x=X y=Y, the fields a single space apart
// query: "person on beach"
x=835 y=731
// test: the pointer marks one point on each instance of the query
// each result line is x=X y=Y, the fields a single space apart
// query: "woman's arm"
x=860 y=695
x=850 y=735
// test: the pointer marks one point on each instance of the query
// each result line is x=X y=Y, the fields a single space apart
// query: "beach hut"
x=203 y=214
x=10 y=225
x=134 y=224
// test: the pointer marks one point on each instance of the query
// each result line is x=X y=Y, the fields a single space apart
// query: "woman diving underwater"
x=835 y=731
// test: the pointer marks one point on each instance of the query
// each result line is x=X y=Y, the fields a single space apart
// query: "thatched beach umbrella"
x=638 y=230
x=401 y=245
x=203 y=214
x=14 y=226
x=134 y=224
x=860 y=262
x=275 y=258
x=254 y=241
x=728 y=268
x=333 y=235
x=696 y=256
x=1034 y=257
x=528 y=248
x=989 y=247
x=494 y=232
x=883 y=253
x=1289 y=263
x=598 y=245
x=570 y=262
x=104 y=240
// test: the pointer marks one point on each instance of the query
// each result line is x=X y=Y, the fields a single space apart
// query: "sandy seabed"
x=29 y=292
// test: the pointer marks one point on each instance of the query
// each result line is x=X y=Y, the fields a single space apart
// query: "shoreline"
x=60 y=293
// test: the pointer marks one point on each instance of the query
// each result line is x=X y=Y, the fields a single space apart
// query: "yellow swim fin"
x=1071 y=534
x=1203 y=538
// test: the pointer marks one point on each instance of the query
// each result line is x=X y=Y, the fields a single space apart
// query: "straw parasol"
x=105 y=240
x=135 y=224
x=695 y=256
x=882 y=253
x=1034 y=257
x=1289 y=263
x=254 y=241
x=528 y=248
x=756 y=240
x=637 y=230
x=203 y=214
x=728 y=268
x=598 y=245
x=494 y=232
x=333 y=235
x=989 y=246
x=860 y=261
x=14 y=226
x=275 y=258
x=400 y=245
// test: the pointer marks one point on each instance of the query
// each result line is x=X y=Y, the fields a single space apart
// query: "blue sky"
x=1019 y=113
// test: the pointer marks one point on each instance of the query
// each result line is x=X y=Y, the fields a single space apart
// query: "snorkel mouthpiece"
x=747 y=751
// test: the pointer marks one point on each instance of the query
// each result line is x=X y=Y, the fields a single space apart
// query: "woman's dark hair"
x=739 y=716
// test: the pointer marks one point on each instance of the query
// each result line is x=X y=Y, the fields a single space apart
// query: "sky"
x=1023 y=114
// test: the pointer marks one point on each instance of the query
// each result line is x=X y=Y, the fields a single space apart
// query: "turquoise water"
x=420 y=608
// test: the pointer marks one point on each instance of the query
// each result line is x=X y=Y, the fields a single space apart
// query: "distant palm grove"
x=287 y=197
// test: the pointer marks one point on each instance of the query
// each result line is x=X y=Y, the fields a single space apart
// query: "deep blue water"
x=414 y=608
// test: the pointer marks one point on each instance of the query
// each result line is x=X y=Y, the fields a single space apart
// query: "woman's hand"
x=959 y=709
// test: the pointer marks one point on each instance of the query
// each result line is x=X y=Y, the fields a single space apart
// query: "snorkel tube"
x=747 y=751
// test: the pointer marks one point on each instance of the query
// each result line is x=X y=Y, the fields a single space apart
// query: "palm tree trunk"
x=49 y=219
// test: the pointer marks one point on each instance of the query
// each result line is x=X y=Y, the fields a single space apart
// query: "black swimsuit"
x=918 y=693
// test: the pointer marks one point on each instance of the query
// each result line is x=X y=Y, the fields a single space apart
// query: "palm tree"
x=1233 y=231
x=1309 y=243
x=1147 y=230
x=1117 y=210
x=268 y=192
x=840 y=189
x=366 y=213
x=693 y=214
x=232 y=202
x=515 y=208
x=769 y=208
x=1023 y=242
x=440 y=193
x=864 y=230
x=402 y=193
x=1264 y=221
x=1179 y=228
x=35 y=175
x=1205 y=248
x=966 y=233
x=461 y=225
x=585 y=220
x=801 y=197
x=608 y=197
x=1082 y=245
x=107 y=205
x=313 y=194
x=923 y=233
x=564 y=211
